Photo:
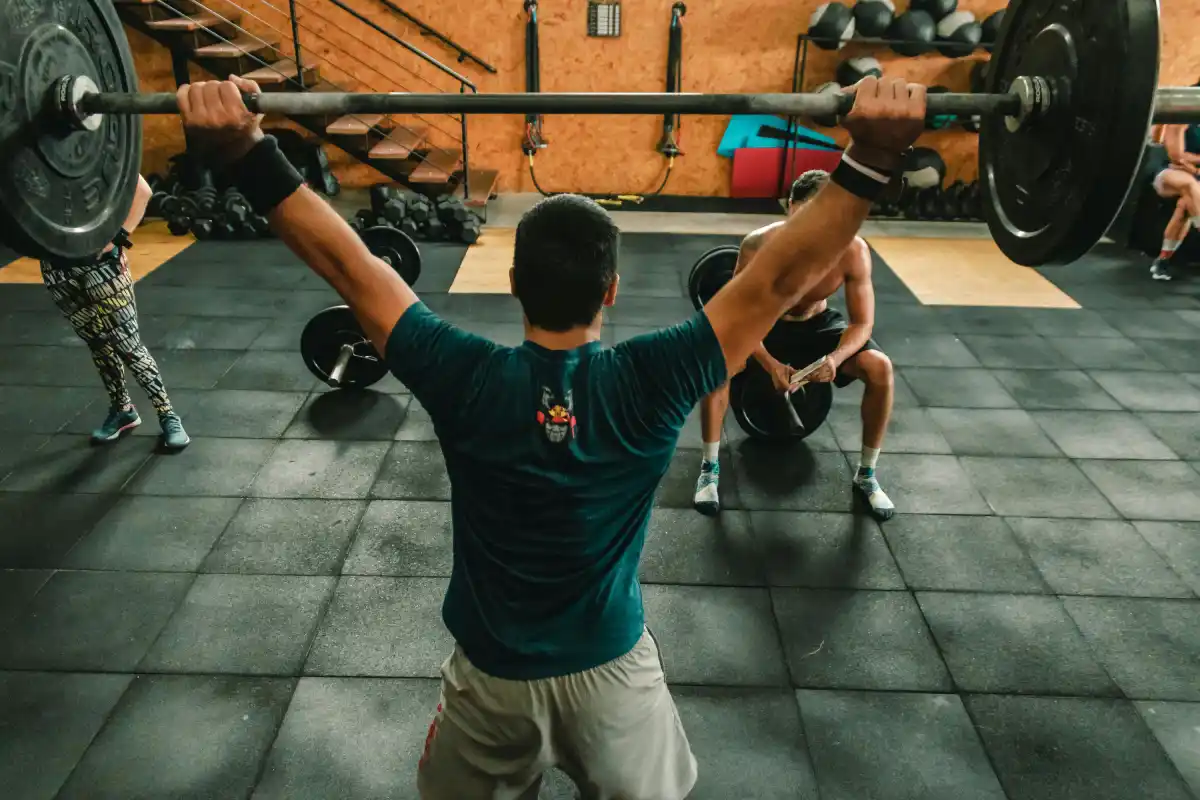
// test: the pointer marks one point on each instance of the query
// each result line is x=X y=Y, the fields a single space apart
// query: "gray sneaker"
x=174 y=437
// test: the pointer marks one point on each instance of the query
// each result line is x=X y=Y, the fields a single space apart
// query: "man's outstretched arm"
x=887 y=118
x=215 y=113
x=376 y=294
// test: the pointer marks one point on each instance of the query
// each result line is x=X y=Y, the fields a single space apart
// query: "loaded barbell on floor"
x=333 y=345
x=1071 y=92
x=759 y=408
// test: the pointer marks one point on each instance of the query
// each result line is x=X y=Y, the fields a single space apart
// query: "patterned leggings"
x=98 y=301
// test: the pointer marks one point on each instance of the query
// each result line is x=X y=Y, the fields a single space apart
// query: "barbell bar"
x=1171 y=105
x=1071 y=92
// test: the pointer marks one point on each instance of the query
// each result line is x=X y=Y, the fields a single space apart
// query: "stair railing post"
x=296 y=43
x=462 y=88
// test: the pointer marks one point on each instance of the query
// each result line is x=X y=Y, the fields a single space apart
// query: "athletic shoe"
x=707 y=501
x=117 y=422
x=1159 y=271
x=877 y=499
x=174 y=437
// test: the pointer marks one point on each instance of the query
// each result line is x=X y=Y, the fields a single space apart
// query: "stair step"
x=281 y=71
x=483 y=183
x=193 y=23
x=438 y=166
x=235 y=49
x=399 y=144
x=355 y=125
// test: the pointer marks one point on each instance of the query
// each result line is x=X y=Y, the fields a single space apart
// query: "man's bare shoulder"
x=758 y=237
x=857 y=258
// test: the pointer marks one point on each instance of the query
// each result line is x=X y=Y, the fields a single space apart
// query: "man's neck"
x=563 y=340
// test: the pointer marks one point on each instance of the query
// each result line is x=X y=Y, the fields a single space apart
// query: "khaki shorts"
x=613 y=729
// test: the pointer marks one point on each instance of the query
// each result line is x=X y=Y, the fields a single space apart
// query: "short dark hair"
x=807 y=185
x=564 y=261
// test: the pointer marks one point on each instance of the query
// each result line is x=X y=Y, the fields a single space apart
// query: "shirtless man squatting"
x=812 y=329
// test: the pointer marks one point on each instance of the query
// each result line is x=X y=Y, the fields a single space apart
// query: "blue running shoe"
x=117 y=422
x=174 y=437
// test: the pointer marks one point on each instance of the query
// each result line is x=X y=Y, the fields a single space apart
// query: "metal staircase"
x=275 y=46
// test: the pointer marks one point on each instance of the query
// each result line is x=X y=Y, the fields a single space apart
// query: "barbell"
x=1070 y=95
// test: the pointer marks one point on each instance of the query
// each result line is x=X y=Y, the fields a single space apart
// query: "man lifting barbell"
x=807 y=331
x=98 y=300
x=555 y=450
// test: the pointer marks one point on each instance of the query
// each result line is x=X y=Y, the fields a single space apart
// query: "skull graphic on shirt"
x=557 y=417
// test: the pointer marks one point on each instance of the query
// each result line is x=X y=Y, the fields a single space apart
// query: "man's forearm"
x=763 y=358
x=807 y=246
x=322 y=239
x=854 y=338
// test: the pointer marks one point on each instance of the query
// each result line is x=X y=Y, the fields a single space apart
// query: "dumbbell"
x=409 y=228
x=356 y=222
x=225 y=230
x=419 y=208
x=435 y=229
x=236 y=211
x=206 y=195
x=179 y=225
x=470 y=231
x=380 y=195
x=394 y=211
x=202 y=228
x=381 y=222
x=262 y=228
x=451 y=209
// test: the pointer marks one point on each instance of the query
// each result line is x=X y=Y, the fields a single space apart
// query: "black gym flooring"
x=259 y=616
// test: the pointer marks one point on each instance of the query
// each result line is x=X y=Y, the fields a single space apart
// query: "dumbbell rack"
x=799 y=69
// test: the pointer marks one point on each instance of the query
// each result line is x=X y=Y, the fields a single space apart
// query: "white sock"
x=711 y=450
x=870 y=455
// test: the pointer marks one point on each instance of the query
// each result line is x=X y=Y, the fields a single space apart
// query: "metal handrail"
x=463 y=53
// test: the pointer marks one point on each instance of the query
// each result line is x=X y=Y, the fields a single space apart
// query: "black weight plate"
x=395 y=247
x=1052 y=189
x=321 y=344
x=710 y=272
x=63 y=194
x=760 y=412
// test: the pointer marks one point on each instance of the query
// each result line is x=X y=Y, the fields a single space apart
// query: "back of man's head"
x=564 y=261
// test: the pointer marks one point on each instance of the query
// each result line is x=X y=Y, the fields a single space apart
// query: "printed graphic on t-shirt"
x=557 y=417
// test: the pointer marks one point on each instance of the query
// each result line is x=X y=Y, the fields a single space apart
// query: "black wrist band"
x=122 y=240
x=265 y=177
x=860 y=180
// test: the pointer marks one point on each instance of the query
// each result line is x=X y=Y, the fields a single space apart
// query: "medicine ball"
x=991 y=29
x=915 y=32
x=853 y=70
x=831 y=120
x=833 y=23
x=924 y=168
x=934 y=8
x=873 y=17
x=958 y=34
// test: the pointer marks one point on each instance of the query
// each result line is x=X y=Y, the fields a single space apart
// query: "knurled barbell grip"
x=335 y=103
x=1173 y=104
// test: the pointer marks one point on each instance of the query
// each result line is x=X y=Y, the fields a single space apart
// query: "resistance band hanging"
x=668 y=145
x=534 y=140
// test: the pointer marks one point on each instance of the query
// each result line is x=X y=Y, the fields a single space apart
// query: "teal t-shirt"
x=554 y=457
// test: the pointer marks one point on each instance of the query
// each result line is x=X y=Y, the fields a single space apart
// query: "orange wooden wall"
x=729 y=46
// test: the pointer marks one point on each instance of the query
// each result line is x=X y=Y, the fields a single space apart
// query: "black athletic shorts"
x=799 y=344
